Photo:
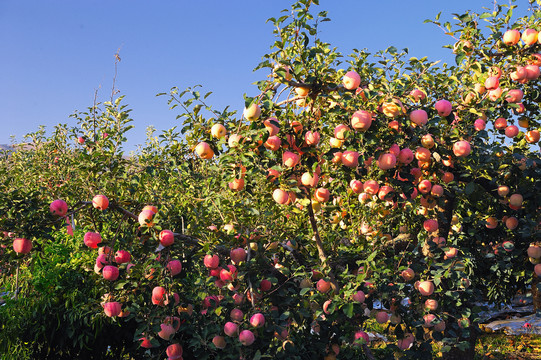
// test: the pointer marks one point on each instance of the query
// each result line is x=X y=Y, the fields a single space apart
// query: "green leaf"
x=348 y=310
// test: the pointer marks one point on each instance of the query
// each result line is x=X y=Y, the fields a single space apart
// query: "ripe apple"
x=290 y=159
x=280 y=196
x=516 y=200
x=204 y=150
x=532 y=136
x=211 y=261
x=361 y=120
x=425 y=186
x=166 y=237
x=122 y=257
x=431 y=304
x=252 y=112
x=417 y=95
x=443 y=107
x=219 y=342
x=257 y=320
x=479 y=124
x=511 y=37
x=436 y=191
x=426 y=288
x=359 y=296
x=265 y=285
x=419 y=117
x=387 y=161
x=158 y=295
x=361 y=338
x=22 y=246
x=218 y=131
x=492 y=82
x=174 y=352
x=309 y=180
x=350 y=159
x=175 y=266
x=461 y=148
x=112 y=309
x=92 y=239
x=322 y=195
x=511 y=131
x=371 y=187
x=340 y=131
x=408 y=274
x=405 y=156
x=511 y=222
x=237 y=255
x=246 y=337
x=430 y=225
x=382 y=317
x=100 y=202
x=145 y=218
x=110 y=272
x=529 y=36
x=356 y=186
x=58 y=207
x=311 y=138
x=323 y=285
x=351 y=80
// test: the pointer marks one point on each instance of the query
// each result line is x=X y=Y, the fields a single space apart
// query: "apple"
x=273 y=143
x=461 y=148
x=92 y=239
x=382 y=317
x=218 y=131
x=236 y=184
x=417 y=95
x=145 y=343
x=436 y=191
x=514 y=96
x=529 y=36
x=532 y=136
x=280 y=196
x=219 y=342
x=311 y=138
x=110 y=272
x=112 y=309
x=511 y=131
x=122 y=257
x=492 y=82
x=340 y=131
x=408 y=274
x=309 y=180
x=511 y=37
x=532 y=72
x=371 y=187
x=443 y=107
x=237 y=255
x=422 y=154
x=174 y=352
x=257 y=320
x=58 y=207
x=158 y=295
x=361 y=120
x=350 y=159
x=425 y=186
x=356 y=186
x=228 y=274
x=323 y=286
x=359 y=296
x=361 y=338
x=537 y=270
x=431 y=304
x=511 y=222
x=145 y=218
x=351 y=80
x=419 y=117
x=290 y=159
x=167 y=330
x=246 y=337
x=322 y=195
x=426 y=288
x=175 y=266
x=479 y=124
x=447 y=177
x=100 y=202
x=516 y=200
x=204 y=150
x=166 y=237
x=387 y=161
x=427 y=141
x=252 y=112
x=22 y=246
x=211 y=261
x=405 y=156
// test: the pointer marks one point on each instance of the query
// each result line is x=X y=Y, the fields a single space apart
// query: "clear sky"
x=56 y=53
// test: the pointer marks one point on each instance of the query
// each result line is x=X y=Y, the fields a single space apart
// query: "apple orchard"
x=368 y=193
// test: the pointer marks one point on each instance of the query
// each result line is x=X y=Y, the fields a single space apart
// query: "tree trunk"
x=536 y=294
x=468 y=354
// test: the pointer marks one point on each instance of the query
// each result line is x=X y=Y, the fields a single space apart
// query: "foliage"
x=358 y=241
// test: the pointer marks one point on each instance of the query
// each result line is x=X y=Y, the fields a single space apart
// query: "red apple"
x=100 y=202
x=58 y=207
x=22 y=246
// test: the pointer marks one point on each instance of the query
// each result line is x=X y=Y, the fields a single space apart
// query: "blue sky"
x=57 y=53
